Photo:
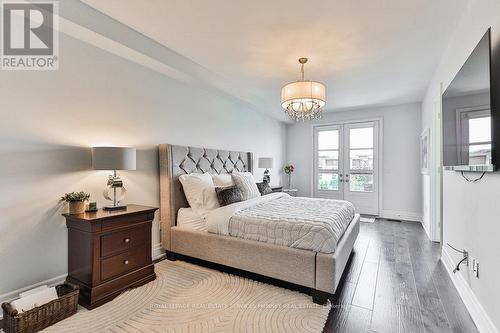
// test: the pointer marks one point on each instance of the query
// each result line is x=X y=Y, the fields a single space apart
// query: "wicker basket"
x=43 y=316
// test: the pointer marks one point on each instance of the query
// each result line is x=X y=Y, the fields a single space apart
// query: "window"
x=361 y=159
x=328 y=160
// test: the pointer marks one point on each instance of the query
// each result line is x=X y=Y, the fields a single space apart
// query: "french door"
x=346 y=164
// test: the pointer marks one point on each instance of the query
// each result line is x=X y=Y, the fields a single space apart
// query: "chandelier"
x=304 y=99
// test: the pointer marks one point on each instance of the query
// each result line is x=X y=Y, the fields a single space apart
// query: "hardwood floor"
x=395 y=282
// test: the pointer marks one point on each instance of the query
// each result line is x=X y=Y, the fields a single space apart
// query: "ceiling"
x=368 y=53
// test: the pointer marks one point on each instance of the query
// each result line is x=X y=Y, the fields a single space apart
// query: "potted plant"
x=289 y=170
x=76 y=201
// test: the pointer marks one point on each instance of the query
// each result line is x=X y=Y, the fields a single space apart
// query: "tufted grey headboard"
x=179 y=160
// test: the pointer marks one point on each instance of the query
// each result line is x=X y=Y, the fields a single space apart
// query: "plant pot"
x=77 y=207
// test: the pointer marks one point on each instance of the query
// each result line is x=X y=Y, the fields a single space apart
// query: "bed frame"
x=319 y=272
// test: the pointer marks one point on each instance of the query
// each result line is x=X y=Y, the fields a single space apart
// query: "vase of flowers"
x=288 y=171
x=76 y=201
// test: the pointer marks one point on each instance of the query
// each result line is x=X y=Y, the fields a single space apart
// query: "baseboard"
x=401 y=215
x=158 y=251
x=11 y=295
x=427 y=231
x=476 y=310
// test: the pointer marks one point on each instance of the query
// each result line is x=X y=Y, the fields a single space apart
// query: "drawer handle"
x=125 y=262
x=126 y=240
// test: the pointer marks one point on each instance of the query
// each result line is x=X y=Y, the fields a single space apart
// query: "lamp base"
x=111 y=208
x=267 y=176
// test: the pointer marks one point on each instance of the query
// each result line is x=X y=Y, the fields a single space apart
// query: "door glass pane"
x=328 y=160
x=328 y=139
x=361 y=183
x=361 y=159
x=328 y=181
x=361 y=137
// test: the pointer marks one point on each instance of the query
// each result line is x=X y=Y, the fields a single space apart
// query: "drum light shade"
x=297 y=92
x=304 y=99
x=266 y=162
x=113 y=158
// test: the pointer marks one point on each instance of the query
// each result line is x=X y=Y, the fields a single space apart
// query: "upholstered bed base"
x=318 y=271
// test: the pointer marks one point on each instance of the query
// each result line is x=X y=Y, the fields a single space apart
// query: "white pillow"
x=223 y=180
x=246 y=184
x=199 y=190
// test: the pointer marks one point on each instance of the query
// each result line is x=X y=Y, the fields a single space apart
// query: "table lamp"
x=266 y=163
x=113 y=159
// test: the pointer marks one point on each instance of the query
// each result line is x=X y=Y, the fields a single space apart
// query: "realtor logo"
x=30 y=39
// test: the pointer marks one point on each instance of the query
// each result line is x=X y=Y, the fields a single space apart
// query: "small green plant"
x=75 y=196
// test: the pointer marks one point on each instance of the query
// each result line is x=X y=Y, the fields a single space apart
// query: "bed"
x=311 y=263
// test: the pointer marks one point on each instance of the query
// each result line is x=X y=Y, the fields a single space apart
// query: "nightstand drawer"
x=123 y=240
x=117 y=222
x=123 y=262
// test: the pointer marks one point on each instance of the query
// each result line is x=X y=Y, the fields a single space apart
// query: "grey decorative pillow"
x=228 y=195
x=264 y=188
x=246 y=184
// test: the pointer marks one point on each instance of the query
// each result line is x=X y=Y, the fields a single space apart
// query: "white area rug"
x=191 y=298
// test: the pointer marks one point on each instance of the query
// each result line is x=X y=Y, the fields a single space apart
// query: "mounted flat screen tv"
x=467 y=116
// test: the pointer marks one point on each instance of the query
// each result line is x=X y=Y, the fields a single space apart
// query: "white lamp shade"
x=266 y=162
x=303 y=91
x=113 y=158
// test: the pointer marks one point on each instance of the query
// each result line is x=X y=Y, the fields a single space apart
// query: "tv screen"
x=467 y=141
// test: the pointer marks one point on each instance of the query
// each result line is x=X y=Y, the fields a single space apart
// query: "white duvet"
x=280 y=219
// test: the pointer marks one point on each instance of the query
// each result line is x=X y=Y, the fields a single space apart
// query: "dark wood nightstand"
x=109 y=252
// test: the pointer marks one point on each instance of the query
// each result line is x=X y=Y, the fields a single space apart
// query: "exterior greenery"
x=358 y=183
x=329 y=184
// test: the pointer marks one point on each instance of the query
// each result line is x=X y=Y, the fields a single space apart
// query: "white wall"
x=401 y=166
x=49 y=119
x=470 y=211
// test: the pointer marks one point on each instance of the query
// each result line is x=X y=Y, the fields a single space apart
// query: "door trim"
x=380 y=154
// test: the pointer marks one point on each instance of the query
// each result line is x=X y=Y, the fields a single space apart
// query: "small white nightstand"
x=291 y=191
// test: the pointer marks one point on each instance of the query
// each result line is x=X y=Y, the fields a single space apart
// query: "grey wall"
x=470 y=211
x=401 y=166
x=50 y=119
